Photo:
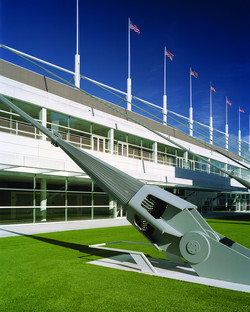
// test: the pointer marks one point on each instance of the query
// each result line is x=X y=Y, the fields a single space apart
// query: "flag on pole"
x=241 y=110
x=169 y=54
x=194 y=73
x=134 y=27
x=229 y=103
x=213 y=89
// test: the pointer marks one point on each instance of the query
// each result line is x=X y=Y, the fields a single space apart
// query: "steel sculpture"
x=171 y=224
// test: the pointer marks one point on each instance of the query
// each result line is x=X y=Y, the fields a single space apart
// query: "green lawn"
x=48 y=272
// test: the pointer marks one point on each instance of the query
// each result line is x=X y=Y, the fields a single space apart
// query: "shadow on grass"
x=82 y=248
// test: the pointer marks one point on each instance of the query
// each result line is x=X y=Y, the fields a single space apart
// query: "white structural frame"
x=141 y=260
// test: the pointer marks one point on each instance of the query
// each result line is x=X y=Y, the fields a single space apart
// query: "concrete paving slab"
x=168 y=269
x=37 y=228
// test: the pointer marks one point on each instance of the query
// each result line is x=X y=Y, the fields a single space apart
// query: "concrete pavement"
x=37 y=228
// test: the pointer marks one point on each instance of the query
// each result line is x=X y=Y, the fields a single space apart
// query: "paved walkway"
x=37 y=228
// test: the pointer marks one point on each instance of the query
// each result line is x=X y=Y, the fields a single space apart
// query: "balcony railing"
x=99 y=143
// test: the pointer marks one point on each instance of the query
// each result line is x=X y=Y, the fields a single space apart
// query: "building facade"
x=38 y=182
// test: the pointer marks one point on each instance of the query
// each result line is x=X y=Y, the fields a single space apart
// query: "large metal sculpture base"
x=129 y=260
x=178 y=229
x=170 y=223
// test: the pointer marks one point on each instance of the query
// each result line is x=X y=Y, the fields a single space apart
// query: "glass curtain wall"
x=37 y=198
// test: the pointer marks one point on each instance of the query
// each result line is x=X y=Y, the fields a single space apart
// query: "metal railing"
x=19 y=128
x=86 y=140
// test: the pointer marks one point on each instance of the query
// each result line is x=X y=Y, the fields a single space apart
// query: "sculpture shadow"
x=81 y=248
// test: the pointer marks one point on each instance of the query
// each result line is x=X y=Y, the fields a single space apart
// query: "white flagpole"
x=191 y=107
x=239 y=134
x=129 y=48
x=129 y=92
x=211 y=116
x=77 y=56
x=226 y=128
x=165 y=89
x=77 y=26
x=226 y=111
x=239 y=118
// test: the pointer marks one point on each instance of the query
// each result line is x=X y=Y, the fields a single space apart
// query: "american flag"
x=241 y=110
x=194 y=73
x=213 y=89
x=169 y=54
x=134 y=27
x=229 y=103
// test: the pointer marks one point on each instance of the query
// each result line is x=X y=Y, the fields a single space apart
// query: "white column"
x=91 y=138
x=112 y=207
x=155 y=152
x=111 y=140
x=186 y=160
x=43 y=202
x=43 y=118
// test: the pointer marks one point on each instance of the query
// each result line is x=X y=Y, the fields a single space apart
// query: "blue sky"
x=213 y=37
